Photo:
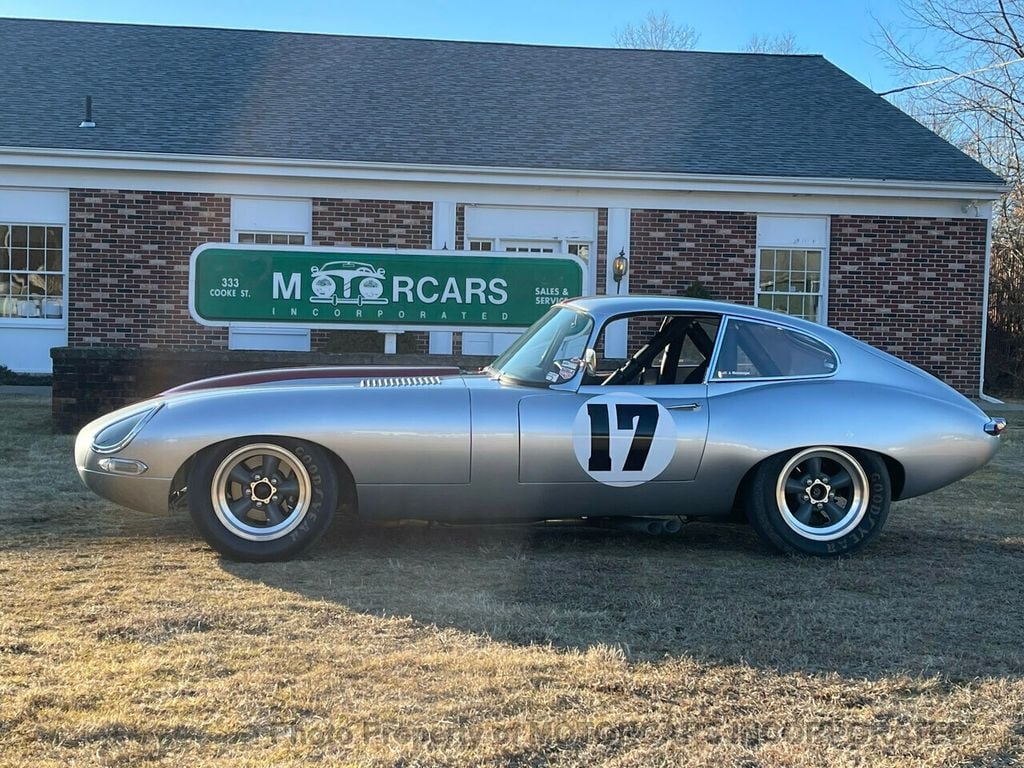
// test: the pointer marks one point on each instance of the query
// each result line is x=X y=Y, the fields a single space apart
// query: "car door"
x=642 y=422
x=618 y=436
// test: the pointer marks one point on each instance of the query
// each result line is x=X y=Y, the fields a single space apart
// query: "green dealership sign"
x=376 y=288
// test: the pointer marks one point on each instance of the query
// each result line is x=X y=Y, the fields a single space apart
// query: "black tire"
x=821 y=501
x=296 y=485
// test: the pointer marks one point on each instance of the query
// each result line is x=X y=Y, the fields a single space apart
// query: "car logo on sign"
x=348 y=282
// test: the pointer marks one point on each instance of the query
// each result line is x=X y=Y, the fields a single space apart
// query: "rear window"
x=759 y=351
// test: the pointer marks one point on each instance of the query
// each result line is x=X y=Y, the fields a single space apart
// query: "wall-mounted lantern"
x=620 y=265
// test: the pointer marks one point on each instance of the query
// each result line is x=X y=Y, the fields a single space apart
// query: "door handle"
x=684 y=407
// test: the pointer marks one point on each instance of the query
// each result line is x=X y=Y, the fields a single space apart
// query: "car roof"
x=603 y=307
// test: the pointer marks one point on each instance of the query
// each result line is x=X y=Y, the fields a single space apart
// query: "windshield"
x=559 y=337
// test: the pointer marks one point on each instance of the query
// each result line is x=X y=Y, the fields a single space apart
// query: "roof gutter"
x=178 y=162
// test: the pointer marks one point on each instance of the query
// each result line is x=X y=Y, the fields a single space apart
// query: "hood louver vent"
x=401 y=381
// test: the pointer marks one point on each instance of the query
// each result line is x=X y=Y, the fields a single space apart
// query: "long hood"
x=378 y=424
x=304 y=377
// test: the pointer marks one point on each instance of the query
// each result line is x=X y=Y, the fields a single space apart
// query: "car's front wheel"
x=822 y=501
x=262 y=500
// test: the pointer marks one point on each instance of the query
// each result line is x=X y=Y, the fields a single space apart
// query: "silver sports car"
x=715 y=409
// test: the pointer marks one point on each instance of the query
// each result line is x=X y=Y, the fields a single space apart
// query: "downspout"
x=984 y=312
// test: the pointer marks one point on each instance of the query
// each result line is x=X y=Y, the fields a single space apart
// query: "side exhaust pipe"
x=673 y=525
x=652 y=526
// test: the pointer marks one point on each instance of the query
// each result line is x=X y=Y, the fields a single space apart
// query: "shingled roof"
x=325 y=97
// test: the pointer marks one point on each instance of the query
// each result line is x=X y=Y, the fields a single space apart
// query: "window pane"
x=582 y=250
x=814 y=261
x=19 y=237
x=53 y=309
x=246 y=237
x=277 y=239
x=296 y=239
x=799 y=261
x=263 y=238
x=37 y=237
x=36 y=259
x=19 y=258
x=54 y=260
x=55 y=237
x=755 y=350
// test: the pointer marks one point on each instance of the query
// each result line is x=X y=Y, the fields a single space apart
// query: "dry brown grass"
x=125 y=641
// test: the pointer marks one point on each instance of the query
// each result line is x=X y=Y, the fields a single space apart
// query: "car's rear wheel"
x=262 y=500
x=822 y=501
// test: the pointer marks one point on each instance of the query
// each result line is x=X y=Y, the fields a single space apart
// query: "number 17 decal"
x=623 y=440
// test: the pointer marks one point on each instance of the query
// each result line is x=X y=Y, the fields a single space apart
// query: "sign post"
x=376 y=289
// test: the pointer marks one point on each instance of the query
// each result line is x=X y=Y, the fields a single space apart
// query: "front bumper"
x=147 y=492
x=144 y=494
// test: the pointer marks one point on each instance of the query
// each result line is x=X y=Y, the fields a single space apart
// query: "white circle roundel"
x=623 y=439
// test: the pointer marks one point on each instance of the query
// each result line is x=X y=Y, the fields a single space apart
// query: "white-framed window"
x=579 y=249
x=480 y=244
x=792 y=266
x=32 y=272
x=272 y=238
x=789 y=280
x=525 y=246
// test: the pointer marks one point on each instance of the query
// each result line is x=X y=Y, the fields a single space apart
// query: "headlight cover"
x=114 y=437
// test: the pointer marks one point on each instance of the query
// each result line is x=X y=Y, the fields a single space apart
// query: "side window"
x=758 y=351
x=662 y=349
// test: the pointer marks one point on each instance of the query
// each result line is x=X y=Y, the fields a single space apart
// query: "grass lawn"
x=125 y=641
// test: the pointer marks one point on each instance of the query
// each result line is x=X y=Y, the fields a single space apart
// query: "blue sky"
x=841 y=30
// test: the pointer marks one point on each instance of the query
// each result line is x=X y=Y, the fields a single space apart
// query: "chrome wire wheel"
x=822 y=493
x=261 y=492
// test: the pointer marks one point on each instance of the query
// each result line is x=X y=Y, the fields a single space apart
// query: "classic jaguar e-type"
x=719 y=409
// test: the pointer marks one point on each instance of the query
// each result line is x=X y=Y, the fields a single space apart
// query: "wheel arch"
x=348 y=497
x=897 y=473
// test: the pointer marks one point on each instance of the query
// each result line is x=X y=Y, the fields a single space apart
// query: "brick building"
x=775 y=180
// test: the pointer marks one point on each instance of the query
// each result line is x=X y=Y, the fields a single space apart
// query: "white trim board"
x=780 y=202
x=141 y=161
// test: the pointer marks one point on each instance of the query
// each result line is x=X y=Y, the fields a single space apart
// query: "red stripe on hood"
x=300 y=374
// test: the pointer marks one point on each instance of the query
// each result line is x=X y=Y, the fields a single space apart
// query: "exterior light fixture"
x=620 y=265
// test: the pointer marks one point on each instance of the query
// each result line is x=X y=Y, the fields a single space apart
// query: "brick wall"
x=671 y=249
x=913 y=287
x=370 y=224
x=128 y=275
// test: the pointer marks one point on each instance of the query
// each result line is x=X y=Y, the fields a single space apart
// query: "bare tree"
x=782 y=43
x=657 y=33
x=963 y=62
